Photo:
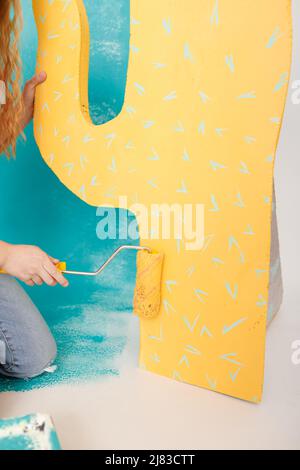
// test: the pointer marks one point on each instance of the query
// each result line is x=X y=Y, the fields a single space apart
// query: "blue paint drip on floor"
x=33 y=432
x=89 y=319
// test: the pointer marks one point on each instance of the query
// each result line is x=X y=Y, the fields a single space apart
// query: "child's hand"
x=29 y=96
x=31 y=265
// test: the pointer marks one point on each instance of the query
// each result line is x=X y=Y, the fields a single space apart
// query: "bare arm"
x=30 y=264
x=29 y=96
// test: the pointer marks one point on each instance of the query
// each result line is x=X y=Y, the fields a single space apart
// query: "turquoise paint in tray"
x=33 y=432
x=89 y=320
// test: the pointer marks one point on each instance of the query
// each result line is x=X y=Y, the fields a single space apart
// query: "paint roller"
x=147 y=295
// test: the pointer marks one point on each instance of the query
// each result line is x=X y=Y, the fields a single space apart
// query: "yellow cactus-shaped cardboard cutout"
x=205 y=95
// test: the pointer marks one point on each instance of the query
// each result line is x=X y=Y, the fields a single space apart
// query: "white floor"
x=143 y=411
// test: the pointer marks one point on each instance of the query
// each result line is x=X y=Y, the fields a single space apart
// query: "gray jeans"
x=26 y=345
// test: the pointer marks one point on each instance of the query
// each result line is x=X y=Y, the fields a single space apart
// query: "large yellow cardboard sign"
x=206 y=88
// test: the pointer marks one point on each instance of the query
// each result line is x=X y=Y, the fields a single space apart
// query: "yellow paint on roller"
x=202 y=86
x=147 y=296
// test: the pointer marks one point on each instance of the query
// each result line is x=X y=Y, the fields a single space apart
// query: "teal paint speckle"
x=33 y=432
x=89 y=319
x=15 y=443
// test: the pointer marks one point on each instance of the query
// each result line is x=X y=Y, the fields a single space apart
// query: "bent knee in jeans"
x=31 y=364
x=27 y=346
x=25 y=361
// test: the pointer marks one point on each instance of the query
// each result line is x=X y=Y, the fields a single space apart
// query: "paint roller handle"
x=108 y=261
x=62 y=266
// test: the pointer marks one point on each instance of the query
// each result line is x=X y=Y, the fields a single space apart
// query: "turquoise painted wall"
x=37 y=209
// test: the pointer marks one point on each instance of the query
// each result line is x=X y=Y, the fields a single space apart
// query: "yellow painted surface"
x=206 y=88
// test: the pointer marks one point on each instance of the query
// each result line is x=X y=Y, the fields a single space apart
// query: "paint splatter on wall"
x=90 y=319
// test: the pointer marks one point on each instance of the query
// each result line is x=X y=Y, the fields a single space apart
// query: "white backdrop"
x=288 y=174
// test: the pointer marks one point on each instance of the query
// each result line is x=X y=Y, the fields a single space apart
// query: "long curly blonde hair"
x=10 y=72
